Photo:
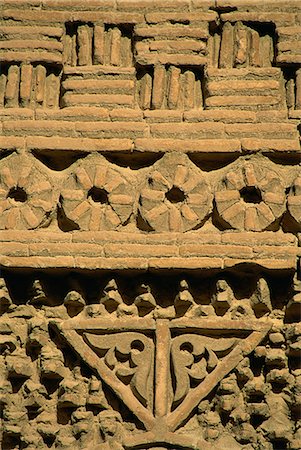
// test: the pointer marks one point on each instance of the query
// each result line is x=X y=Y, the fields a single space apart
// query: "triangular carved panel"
x=163 y=369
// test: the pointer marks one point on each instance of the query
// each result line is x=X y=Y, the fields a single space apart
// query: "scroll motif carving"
x=161 y=368
x=194 y=357
x=127 y=359
x=130 y=357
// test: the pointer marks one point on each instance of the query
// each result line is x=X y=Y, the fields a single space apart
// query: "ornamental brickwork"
x=150 y=224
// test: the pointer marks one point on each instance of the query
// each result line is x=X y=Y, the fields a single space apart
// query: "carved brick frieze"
x=173 y=194
x=150 y=224
x=138 y=360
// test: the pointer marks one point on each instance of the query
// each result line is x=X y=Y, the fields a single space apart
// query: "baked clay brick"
x=226 y=116
x=137 y=249
x=81 y=144
x=213 y=250
x=180 y=17
x=150 y=214
x=204 y=129
x=89 y=4
x=187 y=146
x=154 y=4
x=172 y=31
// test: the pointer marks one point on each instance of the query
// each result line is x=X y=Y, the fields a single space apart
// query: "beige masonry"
x=150 y=225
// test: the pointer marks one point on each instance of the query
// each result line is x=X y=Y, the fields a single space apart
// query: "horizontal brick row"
x=161 y=5
x=107 y=250
x=98 y=85
x=152 y=116
x=107 y=263
x=59 y=16
x=31 y=44
x=157 y=5
x=198 y=135
x=285 y=18
x=245 y=238
x=245 y=88
x=211 y=146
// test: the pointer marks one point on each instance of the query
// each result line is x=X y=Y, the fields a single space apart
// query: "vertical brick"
x=158 y=86
x=227 y=47
x=126 y=51
x=216 y=49
x=69 y=54
x=174 y=87
x=115 y=46
x=198 y=94
x=2 y=88
x=298 y=89
x=99 y=36
x=26 y=84
x=52 y=91
x=12 y=86
x=40 y=84
x=84 y=43
x=290 y=93
x=145 y=91
x=266 y=51
x=255 y=49
x=189 y=91
x=241 y=44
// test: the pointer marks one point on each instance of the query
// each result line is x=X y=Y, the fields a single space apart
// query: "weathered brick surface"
x=150 y=224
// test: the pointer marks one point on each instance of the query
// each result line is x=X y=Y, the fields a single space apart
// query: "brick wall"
x=150 y=219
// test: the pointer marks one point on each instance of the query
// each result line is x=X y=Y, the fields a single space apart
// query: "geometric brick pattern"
x=150 y=219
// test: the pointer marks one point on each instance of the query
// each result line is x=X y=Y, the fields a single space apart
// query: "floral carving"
x=194 y=357
x=250 y=197
x=176 y=197
x=130 y=357
x=26 y=194
x=97 y=197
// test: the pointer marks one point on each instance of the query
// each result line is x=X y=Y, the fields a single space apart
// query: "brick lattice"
x=150 y=224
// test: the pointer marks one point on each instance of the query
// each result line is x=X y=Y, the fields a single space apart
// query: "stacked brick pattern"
x=150 y=224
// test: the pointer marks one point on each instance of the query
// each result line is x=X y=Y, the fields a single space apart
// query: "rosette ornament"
x=176 y=197
x=251 y=197
x=97 y=196
x=26 y=194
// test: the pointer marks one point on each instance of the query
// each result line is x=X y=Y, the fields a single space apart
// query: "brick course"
x=150 y=224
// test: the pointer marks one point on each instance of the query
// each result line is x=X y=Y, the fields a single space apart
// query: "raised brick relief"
x=150 y=219
x=227 y=361
x=97 y=197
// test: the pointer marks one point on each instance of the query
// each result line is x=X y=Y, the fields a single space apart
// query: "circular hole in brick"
x=98 y=195
x=175 y=195
x=18 y=194
x=251 y=194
